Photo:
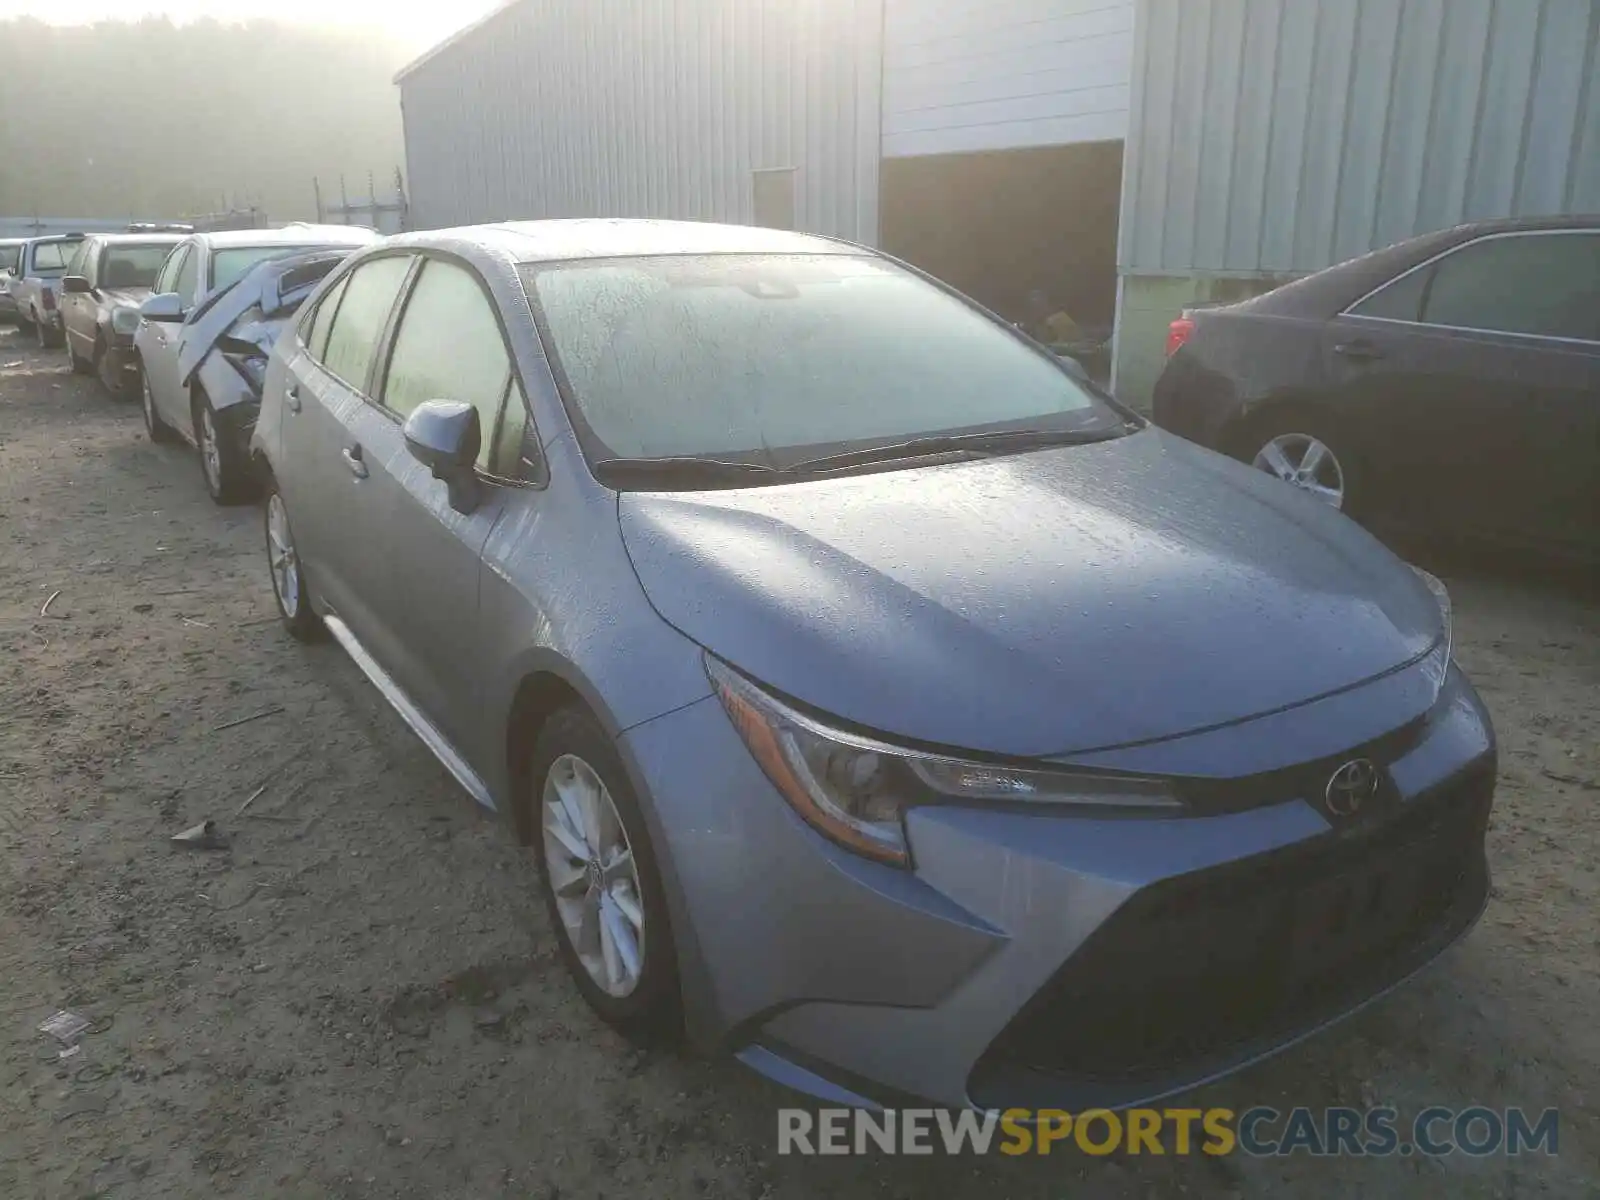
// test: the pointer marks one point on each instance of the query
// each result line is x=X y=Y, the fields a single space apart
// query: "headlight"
x=1437 y=663
x=855 y=789
x=124 y=320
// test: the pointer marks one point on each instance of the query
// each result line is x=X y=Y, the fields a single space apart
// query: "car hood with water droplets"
x=1036 y=604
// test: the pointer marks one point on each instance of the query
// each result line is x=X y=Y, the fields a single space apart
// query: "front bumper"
x=8 y=306
x=1048 y=960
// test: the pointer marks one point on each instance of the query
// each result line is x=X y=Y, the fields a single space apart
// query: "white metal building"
x=1125 y=156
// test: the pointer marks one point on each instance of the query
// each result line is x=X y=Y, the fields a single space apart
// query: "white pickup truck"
x=35 y=285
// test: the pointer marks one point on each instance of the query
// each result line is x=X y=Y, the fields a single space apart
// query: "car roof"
x=139 y=239
x=580 y=238
x=289 y=235
x=1332 y=290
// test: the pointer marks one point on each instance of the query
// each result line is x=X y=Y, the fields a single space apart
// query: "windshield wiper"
x=956 y=443
x=682 y=464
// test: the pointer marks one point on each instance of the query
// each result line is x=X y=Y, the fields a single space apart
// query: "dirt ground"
x=359 y=996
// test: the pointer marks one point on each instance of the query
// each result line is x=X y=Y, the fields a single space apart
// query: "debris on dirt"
x=265 y=712
x=1575 y=780
x=65 y=1026
x=44 y=610
x=204 y=836
x=196 y=624
x=249 y=800
x=70 y=1052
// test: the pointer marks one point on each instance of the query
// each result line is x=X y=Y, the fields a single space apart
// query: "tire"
x=295 y=607
x=160 y=432
x=80 y=366
x=48 y=338
x=1336 y=475
x=650 y=1011
x=223 y=465
x=116 y=387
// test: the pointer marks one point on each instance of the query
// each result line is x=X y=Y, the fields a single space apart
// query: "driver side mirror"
x=163 y=306
x=444 y=436
x=75 y=285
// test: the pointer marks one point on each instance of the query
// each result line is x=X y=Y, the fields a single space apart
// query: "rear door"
x=448 y=345
x=1474 y=378
x=324 y=470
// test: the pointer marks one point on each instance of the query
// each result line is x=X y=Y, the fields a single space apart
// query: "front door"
x=78 y=317
x=448 y=345
x=159 y=350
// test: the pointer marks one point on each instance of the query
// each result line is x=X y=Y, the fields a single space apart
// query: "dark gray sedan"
x=880 y=702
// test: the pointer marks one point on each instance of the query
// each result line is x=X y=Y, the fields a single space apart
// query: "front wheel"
x=598 y=875
x=222 y=462
x=160 y=432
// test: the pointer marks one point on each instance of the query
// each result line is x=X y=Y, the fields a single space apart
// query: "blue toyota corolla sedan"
x=879 y=702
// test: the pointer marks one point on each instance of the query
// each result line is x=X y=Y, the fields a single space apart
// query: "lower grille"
x=1202 y=969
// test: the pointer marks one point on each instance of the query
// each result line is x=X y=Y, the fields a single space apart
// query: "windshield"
x=132 y=266
x=50 y=258
x=227 y=265
x=782 y=358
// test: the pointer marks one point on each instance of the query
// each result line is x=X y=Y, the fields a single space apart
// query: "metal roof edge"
x=459 y=35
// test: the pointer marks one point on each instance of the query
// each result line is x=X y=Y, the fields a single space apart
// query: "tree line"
x=149 y=119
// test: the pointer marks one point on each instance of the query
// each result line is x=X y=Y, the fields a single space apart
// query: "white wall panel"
x=649 y=108
x=964 y=75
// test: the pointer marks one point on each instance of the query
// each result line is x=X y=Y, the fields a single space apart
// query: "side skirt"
x=409 y=713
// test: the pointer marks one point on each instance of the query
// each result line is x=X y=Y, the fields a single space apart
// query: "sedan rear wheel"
x=289 y=589
x=1307 y=462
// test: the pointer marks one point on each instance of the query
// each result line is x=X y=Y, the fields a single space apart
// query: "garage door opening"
x=1029 y=233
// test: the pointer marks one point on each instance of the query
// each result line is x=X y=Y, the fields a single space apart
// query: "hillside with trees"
x=152 y=119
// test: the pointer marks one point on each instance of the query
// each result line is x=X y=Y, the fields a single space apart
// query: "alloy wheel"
x=593 y=875
x=210 y=453
x=281 y=555
x=1306 y=463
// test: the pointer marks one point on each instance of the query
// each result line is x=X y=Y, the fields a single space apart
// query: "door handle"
x=291 y=397
x=1359 y=351
x=352 y=459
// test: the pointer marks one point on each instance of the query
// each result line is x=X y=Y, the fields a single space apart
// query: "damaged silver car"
x=222 y=356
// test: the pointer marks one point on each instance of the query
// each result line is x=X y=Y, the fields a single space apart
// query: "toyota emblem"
x=1351 y=786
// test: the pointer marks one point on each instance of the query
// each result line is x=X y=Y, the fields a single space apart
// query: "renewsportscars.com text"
x=1434 y=1132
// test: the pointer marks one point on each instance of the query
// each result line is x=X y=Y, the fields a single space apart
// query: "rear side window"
x=1543 y=284
x=358 y=325
x=322 y=318
x=1399 y=300
x=449 y=348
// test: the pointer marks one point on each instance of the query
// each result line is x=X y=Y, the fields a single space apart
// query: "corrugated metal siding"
x=650 y=108
x=967 y=75
x=1280 y=136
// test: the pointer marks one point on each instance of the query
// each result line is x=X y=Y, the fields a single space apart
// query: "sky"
x=416 y=23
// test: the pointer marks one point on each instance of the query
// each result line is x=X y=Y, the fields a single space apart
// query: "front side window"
x=50 y=258
x=125 y=265
x=167 y=277
x=449 y=347
x=1546 y=284
x=187 y=284
x=358 y=325
x=78 y=264
x=779 y=358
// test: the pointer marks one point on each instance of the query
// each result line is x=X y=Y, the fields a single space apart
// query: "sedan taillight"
x=1177 y=334
x=48 y=299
